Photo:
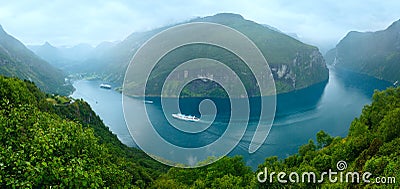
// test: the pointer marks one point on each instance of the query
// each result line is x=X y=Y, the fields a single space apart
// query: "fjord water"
x=328 y=106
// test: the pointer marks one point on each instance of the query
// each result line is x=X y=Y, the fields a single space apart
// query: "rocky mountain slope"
x=373 y=53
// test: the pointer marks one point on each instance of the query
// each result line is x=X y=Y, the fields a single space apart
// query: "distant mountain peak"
x=221 y=18
x=47 y=44
x=395 y=25
x=230 y=15
x=23 y=63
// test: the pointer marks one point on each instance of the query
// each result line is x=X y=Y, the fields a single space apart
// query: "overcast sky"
x=64 y=22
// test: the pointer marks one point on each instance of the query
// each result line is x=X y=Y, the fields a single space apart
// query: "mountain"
x=293 y=35
x=49 y=53
x=373 y=53
x=18 y=61
x=295 y=65
x=77 y=52
x=71 y=59
x=68 y=146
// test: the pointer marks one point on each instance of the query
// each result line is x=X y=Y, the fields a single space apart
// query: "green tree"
x=323 y=139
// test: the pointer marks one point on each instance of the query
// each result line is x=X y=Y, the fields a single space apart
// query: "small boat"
x=105 y=86
x=395 y=83
x=185 y=117
x=148 y=102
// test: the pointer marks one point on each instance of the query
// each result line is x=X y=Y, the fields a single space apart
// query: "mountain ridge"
x=294 y=64
x=373 y=53
x=17 y=60
x=72 y=59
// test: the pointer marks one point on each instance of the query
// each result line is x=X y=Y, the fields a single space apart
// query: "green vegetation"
x=198 y=88
x=18 y=61
x=373 y=53
x=295 y=65
x=225 y=173
x=43 y=144
x=372 y=145
x=304 y=64
x=59 y=100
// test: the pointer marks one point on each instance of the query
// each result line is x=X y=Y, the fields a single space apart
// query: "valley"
x=69 y=117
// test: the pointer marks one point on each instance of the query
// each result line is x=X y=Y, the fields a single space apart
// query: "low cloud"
x=321 y=23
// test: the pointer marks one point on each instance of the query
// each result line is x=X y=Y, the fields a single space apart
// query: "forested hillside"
x=46 y=143
x=372 y=145
x=18 y=61
x=294 y=64
x=372 y=53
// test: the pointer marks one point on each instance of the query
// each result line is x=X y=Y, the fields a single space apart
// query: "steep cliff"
x=373 y=53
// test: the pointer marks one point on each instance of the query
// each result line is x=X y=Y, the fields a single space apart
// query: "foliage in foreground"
x=373 y=145
x=43 y=145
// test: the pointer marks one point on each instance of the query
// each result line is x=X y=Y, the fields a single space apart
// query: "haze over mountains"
x=18 y=61
x=71 y=59
x=373 y=53
x=66 y=145
x=294 y=64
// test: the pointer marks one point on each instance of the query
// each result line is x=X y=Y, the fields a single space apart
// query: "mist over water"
x=328 y=106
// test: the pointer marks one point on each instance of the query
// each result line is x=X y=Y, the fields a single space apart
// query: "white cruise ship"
x=105 y=86
x=185 y=117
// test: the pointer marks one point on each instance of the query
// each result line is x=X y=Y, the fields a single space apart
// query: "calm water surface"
x=329 y=106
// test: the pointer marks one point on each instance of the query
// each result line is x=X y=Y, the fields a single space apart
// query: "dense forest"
x=44 y=143
x=52 y=141
x=372 y=145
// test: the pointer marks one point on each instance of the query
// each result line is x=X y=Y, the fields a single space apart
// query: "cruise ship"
x=105 y=86
x=185 y=117
x=148 y=102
